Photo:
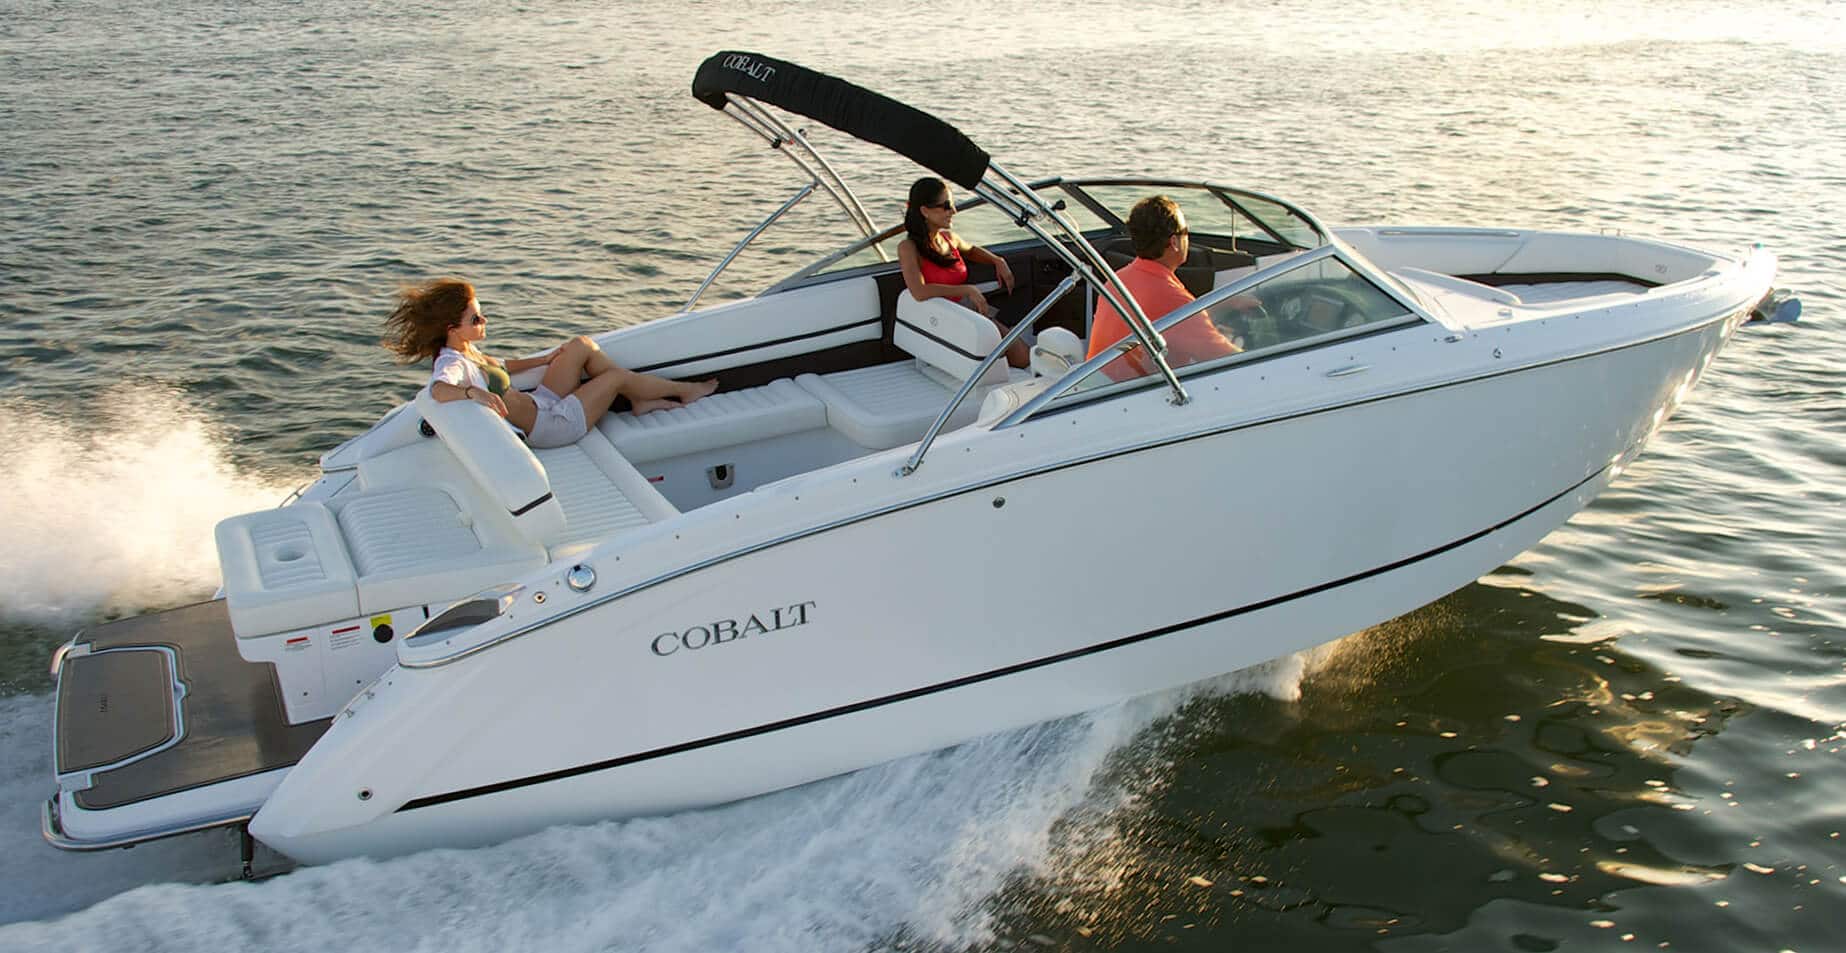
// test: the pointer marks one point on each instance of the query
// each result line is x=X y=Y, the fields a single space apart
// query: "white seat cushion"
x=414 y=545
x=500 y=463
x=427 y=532
x=285 y=568
x=1055 y=352
x=885 y=406
x=721 y=420
x=602 y=494
x=946 y=335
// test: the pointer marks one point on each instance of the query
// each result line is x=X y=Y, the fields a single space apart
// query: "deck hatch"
x=235 y=724
x=113 y=706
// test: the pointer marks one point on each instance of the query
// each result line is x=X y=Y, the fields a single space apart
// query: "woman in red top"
x=935 y=259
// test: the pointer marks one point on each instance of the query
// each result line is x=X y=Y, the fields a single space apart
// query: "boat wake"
x=909 y=850
x=116 y=516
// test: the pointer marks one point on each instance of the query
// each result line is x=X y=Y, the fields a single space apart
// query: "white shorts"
x=560 y=420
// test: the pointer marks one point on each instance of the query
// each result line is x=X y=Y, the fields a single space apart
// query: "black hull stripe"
x=484 y=790
x=856 y=325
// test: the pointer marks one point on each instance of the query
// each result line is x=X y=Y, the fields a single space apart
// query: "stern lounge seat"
x=416 y=531
x=427 y=524
x=420 y=544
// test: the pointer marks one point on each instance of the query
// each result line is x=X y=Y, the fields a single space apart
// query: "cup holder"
x=288 y=554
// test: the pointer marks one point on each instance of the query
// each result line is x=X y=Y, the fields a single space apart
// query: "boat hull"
x=1187 y=554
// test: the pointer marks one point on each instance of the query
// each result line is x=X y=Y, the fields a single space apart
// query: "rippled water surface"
x=1628 y=738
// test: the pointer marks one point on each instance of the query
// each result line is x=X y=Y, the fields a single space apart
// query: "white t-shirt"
x=454 y=367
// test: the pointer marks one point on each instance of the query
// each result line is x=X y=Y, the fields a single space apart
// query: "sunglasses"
x=941 y=206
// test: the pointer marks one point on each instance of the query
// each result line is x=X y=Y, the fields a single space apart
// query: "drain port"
x=721 y=476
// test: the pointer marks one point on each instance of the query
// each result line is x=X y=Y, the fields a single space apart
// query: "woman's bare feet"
x=651 y=404
x=690 y=391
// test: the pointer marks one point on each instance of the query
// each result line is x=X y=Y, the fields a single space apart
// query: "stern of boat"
x=161 y=728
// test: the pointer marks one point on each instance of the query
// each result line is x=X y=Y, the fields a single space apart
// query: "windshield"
x=1315 y=301
x=1227 y=213
x=1234 y=215
x=976 y=220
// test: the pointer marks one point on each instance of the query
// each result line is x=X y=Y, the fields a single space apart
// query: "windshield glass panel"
x=985 y=225
x=864 y=254
x=980 y=224
x=1280 y=220
x=1318 y=302
x=1087 y=222
x=1205 y=212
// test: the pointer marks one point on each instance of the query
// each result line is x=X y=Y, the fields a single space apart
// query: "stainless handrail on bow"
x=967 y=386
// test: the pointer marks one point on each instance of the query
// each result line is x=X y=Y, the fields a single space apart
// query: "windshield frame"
x=816 y=272
x=1051 y=400
x=1224 y=193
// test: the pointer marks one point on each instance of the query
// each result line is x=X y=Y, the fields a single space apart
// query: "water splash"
x=41 y=881
x=116 y=516
x=912 y=849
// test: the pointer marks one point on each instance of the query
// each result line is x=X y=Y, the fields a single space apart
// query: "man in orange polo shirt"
x=1157 y=230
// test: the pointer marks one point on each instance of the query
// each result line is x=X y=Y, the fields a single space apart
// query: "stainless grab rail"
x=51 y=828
x=806 y=191
x=1083 y=257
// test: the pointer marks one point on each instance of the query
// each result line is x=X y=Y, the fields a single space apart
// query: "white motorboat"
x=877 y=539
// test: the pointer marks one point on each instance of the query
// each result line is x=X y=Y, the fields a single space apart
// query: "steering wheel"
x=1245 y=320
x=1330 y=309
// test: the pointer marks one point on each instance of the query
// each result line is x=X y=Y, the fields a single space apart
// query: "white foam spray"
x=911 y=849
x=116 y=516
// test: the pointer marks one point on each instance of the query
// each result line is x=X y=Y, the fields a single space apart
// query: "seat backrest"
x=1056 y=351
x=948 y=337
x=1197 y=273
x=499 y=462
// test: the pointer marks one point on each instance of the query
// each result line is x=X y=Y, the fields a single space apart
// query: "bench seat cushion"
x=885 y=406
x=721 y=420
x=602 y=493
x=415 y=545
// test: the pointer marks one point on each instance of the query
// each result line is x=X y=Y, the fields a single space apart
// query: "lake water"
x=1628 y=738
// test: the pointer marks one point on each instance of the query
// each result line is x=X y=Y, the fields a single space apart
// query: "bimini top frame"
x=741 y=81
